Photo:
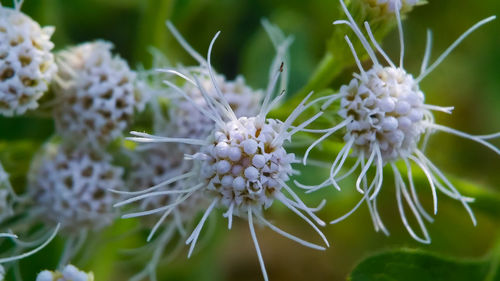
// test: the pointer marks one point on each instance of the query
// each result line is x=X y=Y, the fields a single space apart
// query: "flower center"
x=387 y=111
x=243 y=167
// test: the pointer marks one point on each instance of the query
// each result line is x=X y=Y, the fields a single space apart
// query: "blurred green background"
x=469 y=79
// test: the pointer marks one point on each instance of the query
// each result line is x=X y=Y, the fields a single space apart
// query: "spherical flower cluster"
x=245 y=165
x=97 y=93
x=71 y=187
x=384 y=117
x=26 y=62
x=187 y=121
x=386 y=109
x=69 y=273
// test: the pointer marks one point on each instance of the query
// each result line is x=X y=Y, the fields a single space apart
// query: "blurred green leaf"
x=416 y=265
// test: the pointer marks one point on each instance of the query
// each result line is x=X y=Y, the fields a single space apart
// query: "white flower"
x=71 y=187
x=26 y=62
x=96 y=93
x=385 y=117
x=244 y=166
x=69 y=273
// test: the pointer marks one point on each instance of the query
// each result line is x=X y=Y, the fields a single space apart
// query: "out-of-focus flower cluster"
x=213 y=143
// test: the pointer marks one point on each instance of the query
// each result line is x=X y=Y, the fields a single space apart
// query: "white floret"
x=69 y=273
x=44 y=276
x=247 y=181
x=26 y=63
x=97 y=93
x=386 y=109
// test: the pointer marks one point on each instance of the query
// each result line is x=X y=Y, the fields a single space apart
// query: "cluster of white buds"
x=243 y=164
x=246 y=164
x=384 y=119
x=71 y=187
x=26 y=63
x=96 y=93
x=69 y=273
x=386 y=109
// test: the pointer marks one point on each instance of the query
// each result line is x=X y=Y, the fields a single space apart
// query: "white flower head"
x=69 y=273
x=387 y=120
x=70 y=187
x=243 y=164
x=96 y=91
x=26 y=63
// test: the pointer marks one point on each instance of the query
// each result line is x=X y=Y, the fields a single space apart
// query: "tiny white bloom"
x=96 y=93
x=242 y=165
x=386 y=120
x=69 y=273
x=26 y=63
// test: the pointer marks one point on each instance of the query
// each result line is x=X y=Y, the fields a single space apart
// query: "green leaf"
x=417 y=265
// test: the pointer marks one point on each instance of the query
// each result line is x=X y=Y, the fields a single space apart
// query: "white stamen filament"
x=256 y=244
x=196 y=232
x=452 y=47
x=288 y=235
x=37 y=249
